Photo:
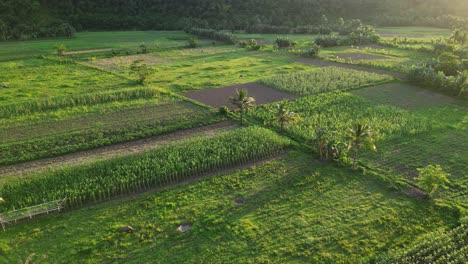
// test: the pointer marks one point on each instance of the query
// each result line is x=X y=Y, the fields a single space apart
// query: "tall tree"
x=358 y=136
x=242 y=102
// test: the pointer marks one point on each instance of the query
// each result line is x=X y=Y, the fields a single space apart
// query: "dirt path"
x=111 y=151
x=325 y=63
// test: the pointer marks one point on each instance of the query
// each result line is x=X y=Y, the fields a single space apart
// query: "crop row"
x=75 y=100
x=337 y=111
x=58 y=144
x=437 y=247
x=323 y=80
x=166 y=165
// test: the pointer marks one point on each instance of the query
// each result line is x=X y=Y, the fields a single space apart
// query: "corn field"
x=167 y=165
x=439 y=247
x=323 y=80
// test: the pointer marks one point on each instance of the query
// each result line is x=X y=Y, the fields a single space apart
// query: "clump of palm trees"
x=331 y=146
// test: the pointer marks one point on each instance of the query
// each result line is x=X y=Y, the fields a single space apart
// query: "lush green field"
x=414 y=32
x=295 y=210
x=323 y=80
x=154 y=40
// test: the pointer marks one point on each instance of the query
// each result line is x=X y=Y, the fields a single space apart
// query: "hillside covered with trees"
x=26 y=19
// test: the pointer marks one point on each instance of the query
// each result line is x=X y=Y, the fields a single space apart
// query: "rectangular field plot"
x=332 y=214
x=32 y=79
x=323 y=80
x=337 y=111
x=38 y=140
x=403 y=95
x=219 y=67
x=122 y=64
x=220 y=96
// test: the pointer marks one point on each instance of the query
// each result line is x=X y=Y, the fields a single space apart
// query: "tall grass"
x=323 y=80
x=170 y=164
x=76 y=100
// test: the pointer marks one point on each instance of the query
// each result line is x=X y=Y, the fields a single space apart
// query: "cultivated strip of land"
x=326 y=63
x=112 y=151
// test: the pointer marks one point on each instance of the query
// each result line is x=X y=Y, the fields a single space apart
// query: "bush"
x=284 y=43
x=428 y=77
x=442 y=47
x=431 y=178
x=327 y=41
x=364 y=35
x=448 y=63
x=192 y=43
x=311 y=52
x=213 y=34
x=223 y=110
x=306 y=30
x=268 y=29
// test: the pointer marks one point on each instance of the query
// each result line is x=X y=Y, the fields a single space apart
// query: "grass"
x=323 y=80
x=154 y=40
x=42 y=79
x=217 y=67
x=420 y=32
x=295 y=211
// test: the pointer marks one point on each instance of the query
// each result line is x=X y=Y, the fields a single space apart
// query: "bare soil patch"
x=111 y=151
x=219 y=97
x=325 y=63
x=121 y=63
x=86 y=51
x=357 y=56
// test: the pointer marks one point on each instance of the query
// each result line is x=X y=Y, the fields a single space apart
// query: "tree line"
x=22 y=19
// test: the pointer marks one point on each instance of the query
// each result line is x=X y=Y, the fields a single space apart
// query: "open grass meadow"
x=197 y=186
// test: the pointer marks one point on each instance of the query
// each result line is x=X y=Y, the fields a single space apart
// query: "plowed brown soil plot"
x=356 y=56
x=219 y=97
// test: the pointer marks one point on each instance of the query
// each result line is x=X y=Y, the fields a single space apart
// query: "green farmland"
x=150 y=174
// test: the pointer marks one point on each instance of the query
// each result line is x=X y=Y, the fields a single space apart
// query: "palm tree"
x=358 y=136
x=242 y=102
x=283 y=116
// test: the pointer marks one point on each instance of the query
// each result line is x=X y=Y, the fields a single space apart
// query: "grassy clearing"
x=33 y=79
x=323 y=80
x=337 y=111
x=218 y=67
x=394 y=59
x=294 y=211
x=414 y=32
x=167 y=165
x=154 y=40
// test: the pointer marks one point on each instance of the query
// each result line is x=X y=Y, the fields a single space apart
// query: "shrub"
x=223 y=110
x=60 y=49
x=428 y=77
x=214 y=35
x=431 y=178
x=284 y=43
x=311 y=52
x=327 y=41
x=448 y=63
x=192 y=43
x=363 y=35
x=441 y=47
x=325 y=30
x=141 y=70
x=268 y=29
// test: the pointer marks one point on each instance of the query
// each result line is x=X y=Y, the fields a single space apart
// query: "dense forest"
x=22 y=19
